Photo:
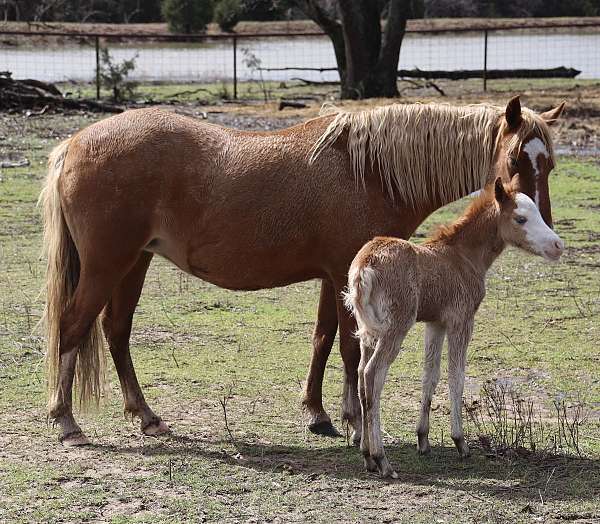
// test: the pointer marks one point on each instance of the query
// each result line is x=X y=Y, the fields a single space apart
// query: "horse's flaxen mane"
x=427 y=151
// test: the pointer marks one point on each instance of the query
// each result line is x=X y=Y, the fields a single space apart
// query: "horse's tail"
x=363 y=299
x=62 y=276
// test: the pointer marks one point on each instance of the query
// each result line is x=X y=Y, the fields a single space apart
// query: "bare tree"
x=367 y=48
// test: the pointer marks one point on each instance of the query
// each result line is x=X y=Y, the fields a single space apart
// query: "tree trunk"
x=367 y=57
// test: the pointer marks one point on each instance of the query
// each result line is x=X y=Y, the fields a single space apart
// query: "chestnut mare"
x=250 y=210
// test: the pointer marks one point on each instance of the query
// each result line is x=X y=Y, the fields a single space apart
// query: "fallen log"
x=34 y=95
x=490 y=74
x=291 y=103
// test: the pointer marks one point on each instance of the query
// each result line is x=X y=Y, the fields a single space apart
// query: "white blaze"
x=534 y=148
x=539 y=236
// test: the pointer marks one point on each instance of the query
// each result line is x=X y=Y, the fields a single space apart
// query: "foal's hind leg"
x=434 y=340
x=386 y=351
x=458 y=340
x=366 y=352
x=116 y=321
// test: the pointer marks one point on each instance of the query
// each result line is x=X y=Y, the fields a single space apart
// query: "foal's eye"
x=520 y=220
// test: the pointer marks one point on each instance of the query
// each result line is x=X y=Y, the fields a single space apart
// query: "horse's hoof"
x=423 y=447
x=356 y=438
x=156 y=429
x=74 y=439
x=325 y=428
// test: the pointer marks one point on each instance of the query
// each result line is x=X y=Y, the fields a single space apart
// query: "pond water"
x=213 y=61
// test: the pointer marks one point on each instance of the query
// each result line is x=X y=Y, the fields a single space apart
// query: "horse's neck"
x=478 y=240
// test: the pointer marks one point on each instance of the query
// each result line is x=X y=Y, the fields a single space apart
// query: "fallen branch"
x=10 y=164
x=290 y=103
x=318 y=69
x=316 y=82
x=491 y=74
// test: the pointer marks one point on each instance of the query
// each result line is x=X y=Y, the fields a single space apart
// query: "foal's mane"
x=425 y=152
x=482 y=204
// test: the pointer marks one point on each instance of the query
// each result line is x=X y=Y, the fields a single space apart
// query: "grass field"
x=195 y=345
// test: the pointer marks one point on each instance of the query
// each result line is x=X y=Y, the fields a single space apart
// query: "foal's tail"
x=62 y=276
x=363 y=299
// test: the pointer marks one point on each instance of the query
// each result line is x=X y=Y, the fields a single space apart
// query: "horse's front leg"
x=323 y=337
x=458 y=339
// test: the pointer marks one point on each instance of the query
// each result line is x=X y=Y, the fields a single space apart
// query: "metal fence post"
x=97 y=68
x=234 y=67
x=485 y=47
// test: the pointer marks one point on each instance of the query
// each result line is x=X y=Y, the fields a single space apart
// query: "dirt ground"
x=196 y=346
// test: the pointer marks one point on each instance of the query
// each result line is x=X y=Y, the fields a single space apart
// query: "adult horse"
x=250 y=210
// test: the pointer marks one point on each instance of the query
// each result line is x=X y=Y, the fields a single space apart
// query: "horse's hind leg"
x=76 y=321
x=116 y=322
x=350 y=350
x=323 y=337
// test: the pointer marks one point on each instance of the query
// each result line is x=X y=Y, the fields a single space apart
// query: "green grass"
x=194 y=343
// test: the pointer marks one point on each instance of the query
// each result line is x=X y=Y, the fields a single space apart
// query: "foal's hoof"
x=76 y=438
x=156 y=429
x=325 y=428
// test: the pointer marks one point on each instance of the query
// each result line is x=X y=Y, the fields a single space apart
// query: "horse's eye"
x=520 y=220
x=513 y=162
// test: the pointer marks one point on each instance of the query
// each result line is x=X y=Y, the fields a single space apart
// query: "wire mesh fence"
x=256 y=65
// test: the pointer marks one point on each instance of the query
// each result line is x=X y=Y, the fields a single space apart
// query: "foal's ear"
x=515 y=182
x=499 y=191
x=513 y=113
x=551 y=116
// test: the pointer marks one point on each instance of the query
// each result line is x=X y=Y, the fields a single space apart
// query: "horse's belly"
x=238 y=267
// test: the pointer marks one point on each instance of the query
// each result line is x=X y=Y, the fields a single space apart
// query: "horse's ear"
x=499 y=191
x=551 y=116
x=513 y=113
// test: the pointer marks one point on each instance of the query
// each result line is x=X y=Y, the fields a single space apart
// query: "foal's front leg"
x=434 y=341
x=458 y=339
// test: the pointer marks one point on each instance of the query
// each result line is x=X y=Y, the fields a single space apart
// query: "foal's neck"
x=474 y=236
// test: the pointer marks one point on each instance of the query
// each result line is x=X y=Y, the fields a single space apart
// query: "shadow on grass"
x=528 y=478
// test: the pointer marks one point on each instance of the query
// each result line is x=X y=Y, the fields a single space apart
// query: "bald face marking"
x=539 y=238
x=533 y=149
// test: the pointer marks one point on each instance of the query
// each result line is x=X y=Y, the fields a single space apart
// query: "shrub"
x=187 y=16
x=227 y=14
x=114 y=75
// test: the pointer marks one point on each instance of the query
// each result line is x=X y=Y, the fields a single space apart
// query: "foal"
x=393 y=284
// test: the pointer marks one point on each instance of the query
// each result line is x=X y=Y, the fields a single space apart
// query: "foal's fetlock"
x=462 y=447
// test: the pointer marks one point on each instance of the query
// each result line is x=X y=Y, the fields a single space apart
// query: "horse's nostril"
x=558 y=245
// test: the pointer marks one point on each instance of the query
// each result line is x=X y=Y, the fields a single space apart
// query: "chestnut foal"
x=394 y=283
